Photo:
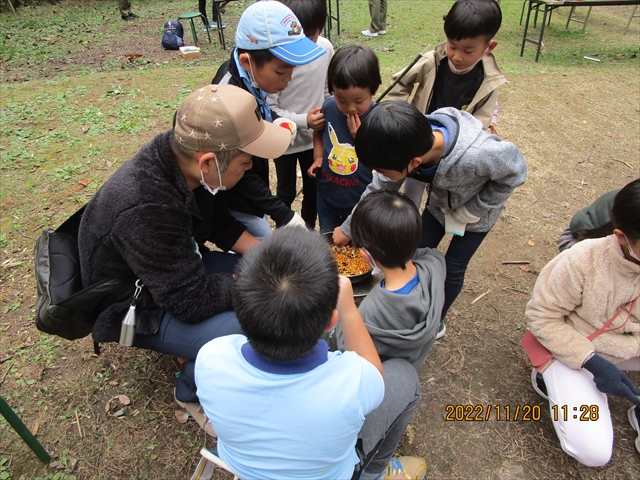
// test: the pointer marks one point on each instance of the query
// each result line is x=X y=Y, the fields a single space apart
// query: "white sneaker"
x=382 y=32
x=369 y=33
x=634 y=419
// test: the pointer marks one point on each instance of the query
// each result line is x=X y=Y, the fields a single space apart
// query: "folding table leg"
x=7 y=412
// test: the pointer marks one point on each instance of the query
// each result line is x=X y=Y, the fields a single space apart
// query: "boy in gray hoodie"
x=471 y=175
x=401 y=313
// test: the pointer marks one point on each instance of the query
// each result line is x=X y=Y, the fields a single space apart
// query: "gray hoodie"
x=405 y=325
x=478 y=170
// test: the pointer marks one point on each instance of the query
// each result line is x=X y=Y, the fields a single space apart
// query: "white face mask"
x=213 y=191
x=375 y=270
x=468 y=69
x=631 y=252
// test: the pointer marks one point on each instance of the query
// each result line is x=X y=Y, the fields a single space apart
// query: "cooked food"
x=350 y=261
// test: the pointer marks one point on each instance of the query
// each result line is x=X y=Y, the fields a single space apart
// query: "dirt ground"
x=580 y=135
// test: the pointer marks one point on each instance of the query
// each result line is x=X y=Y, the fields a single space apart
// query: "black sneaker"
x=634 y=419
x=538 y=384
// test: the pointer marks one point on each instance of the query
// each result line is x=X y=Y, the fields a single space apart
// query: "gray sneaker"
x=538 y=384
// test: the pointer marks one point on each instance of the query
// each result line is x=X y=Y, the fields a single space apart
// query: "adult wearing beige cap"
x=151 y=219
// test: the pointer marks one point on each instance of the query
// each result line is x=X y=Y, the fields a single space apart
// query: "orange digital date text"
x=483 y=413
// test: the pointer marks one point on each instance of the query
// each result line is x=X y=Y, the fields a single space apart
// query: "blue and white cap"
x=270 y=25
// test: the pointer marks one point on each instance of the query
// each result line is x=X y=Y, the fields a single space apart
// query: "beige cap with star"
x=223 y=117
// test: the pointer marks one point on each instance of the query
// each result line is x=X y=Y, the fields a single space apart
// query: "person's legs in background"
x=384 y=427
x=309 y=210
x=286 y=173
x=378 y=14
x=125 y=10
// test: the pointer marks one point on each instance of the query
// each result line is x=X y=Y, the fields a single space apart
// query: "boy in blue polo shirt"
x=285 y=407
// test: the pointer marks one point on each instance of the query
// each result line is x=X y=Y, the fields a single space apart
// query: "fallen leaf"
x=181 y=416
x=84 y=182
x=107 y=407
x=525 y=268
x=34 y=428
x=109 y=164
x=124 y=400
x=531 y=243
x=57 y=465
x=113 y=383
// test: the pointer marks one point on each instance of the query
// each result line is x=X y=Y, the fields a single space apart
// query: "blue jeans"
x=175 y=337
x=330 y=216
x=256 y=226
x=457 y=258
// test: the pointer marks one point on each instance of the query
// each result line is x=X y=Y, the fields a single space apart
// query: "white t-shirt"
x=299 y=420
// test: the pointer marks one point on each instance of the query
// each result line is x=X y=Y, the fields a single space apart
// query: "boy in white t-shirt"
x=282 y=405
x=301 y=102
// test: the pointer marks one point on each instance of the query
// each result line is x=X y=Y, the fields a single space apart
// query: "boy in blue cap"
x=270 y=42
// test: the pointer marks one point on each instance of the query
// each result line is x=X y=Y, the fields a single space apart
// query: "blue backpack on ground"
x=172 y=38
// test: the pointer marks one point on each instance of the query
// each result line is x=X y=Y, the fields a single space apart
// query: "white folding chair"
x=213 y=457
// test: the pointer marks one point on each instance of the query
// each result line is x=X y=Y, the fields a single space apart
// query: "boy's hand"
x=339 y=238
x=493 y=128
x=317 y=163
x=353 y=122
x=345 y=297
x=315 y=119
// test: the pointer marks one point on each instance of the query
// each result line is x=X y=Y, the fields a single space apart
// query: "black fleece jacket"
x=144 y=223
x=252 y=193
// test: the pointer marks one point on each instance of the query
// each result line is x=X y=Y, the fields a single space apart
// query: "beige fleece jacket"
x=576 y=293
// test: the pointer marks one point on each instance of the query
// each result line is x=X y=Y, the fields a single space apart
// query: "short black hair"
x=624 y=213
x=473 y=18
x=388 y=225
x=285 y=292
x=354 y=66
x=393 y=133
x=259 y=57
x=312 y=14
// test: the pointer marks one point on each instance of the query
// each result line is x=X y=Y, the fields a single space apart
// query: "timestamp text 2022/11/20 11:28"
x=525 y=413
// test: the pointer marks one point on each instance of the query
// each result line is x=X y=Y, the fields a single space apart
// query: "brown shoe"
x=405 y=468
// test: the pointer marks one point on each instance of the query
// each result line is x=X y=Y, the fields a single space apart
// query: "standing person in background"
x=301 y=102
x=461 y=73
x=378 y=13
x=125 y=10
x=213 y=24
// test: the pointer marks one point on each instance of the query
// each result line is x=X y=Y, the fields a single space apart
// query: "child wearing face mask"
x=460 y=73
x=270 y=42
x=402 y=313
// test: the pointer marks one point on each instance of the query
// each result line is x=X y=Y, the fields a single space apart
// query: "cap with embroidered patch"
x=270 y=25
x=223 y=117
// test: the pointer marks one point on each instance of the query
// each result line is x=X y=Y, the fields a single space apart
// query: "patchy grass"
x=73 y=108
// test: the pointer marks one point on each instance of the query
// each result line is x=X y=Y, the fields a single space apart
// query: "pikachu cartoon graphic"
x=342 y=157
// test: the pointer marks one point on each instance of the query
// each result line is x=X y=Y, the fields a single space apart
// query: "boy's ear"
x=244 y=61
x=414 y=163
x=492 y=44
x=334 y=320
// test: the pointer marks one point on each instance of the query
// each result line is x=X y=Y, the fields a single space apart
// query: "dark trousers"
x=458 y=255
x=175 y=337
x=329 y=215
x=287 y=179
x=202 y=7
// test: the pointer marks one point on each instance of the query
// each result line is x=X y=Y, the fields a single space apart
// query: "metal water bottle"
x=128 y=329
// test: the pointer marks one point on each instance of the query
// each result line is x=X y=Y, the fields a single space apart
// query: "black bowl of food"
x=350 y=261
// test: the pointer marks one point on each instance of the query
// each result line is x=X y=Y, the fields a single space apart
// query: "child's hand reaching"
x=353 y=122
x=317 y=163
x=315 y=119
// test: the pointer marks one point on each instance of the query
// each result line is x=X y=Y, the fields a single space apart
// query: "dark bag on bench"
x=63 y=307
